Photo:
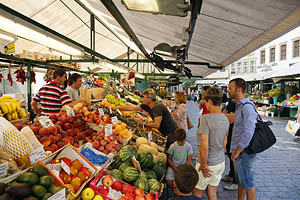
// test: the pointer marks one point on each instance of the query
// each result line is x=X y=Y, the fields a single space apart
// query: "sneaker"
x=231 y=187
x=227 y=179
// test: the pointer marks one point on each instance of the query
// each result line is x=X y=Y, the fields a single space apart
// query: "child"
x=186 y=177
x=179 y=153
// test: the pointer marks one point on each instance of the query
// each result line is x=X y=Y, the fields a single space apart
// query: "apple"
x=149 y=196
x=87 y=194
x=118 y=185
x=104 y=190
x=130 y=196
x=127 y=188
x=108 y=181
x=139 y=192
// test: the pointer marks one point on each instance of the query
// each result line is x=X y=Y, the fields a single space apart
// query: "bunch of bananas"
x=11 y=108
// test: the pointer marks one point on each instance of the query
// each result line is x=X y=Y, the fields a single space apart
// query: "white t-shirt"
x=72 y=93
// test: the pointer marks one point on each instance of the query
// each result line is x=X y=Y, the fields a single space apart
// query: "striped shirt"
x=52 y=98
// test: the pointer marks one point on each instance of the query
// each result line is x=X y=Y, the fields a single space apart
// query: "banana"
x=18 y=108
x=3 y=107
x=11 y=100
x=13 y=106
x=22 y=114
x=5 y=97
x=8 y=116
x=8 y=107
x=14 y=116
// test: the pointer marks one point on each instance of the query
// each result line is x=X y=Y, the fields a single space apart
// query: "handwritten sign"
x=37 y=155
x=45 y=121
x=65 y=167
x=70 y=111
x=136 y=164
x=108 y=130
x=3 y=169
x=119 y=112
x=61 y=195
x=110 y=111
x=150 y=136
x=114 y=120
x=101 y=112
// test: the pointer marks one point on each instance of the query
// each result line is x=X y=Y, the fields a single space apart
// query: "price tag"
x=3 y=169
x=45 y=121
x=136 y=164
x=65 y=167
x=37 y=155
x=108 y=130
x=70 y=111
x=150 y=136
x=101 y=112
x=114 y=120
x=110 y=109
x=118 y=95
x=119 y=112
x=60 y=195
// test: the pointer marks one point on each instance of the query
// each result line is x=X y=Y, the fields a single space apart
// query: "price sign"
x=119 y=112
x=118 y=95
x=65 y=167
x=37 y=155
x=101 y=112
x=110 y=109
x=3 y=169
x=60 y=195
x=136 y=164
x=150 y=136
x=108 y=130
x=114 y=120
x=45 y=121
x=70 y=111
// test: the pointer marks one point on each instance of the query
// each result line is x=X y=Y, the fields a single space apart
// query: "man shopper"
x=162 y=118
x=243 y=130
x=75 y=82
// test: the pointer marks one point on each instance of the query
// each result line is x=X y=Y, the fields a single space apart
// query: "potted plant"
x=275 y=94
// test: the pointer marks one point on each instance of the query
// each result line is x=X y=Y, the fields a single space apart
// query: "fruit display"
x=33 y=184
x=12 y=166
x=156 y=137
x=111 y=188
x=113 y=99
x=11 y=108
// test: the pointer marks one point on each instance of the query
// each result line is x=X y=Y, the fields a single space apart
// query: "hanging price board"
x=101 y=112
x=70 y=111
x=150 y=136
x=45 y=121
x=3 y=169
x=114 y=120
x=37 y=155
x=61 y=195
x=108 y=130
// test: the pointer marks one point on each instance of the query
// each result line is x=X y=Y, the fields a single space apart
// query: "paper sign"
x=114 y=120
x=150 y=136
x=118 y=95
x=37 y=155
x=61 y=195
x=70 y=111
x=45 y=121
x=3 y=169
x=136 y=164
x=119 y=112
x=65 y=167
x=110 y=109
x=108 y=130
x=101 y=112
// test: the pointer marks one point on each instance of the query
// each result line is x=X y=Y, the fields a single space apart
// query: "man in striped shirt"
x=52 y=96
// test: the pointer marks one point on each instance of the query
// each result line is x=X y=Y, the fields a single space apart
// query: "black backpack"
x=263 y=137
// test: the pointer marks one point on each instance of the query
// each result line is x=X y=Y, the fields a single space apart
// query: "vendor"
x=162 y=119
x=75 y=82
x=52 y=96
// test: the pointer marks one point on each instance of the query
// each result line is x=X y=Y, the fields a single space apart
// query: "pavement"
x=277 y=170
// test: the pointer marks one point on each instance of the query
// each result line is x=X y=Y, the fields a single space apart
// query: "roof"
x=225 y=30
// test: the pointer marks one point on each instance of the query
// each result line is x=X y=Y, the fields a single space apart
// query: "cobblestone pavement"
x=277 y=170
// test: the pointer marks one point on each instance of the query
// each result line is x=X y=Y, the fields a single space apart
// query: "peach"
x=58 y=137
x=76 y=145
x=60 y=144
x=64 y=134
x=71 y=139
x=49 y=149
x=34 y=129
x=52 y=130
x=19 y=126
x=66 y=141
x=58 y=128
x=43 y=132
x=71 y=119
x=96 y=144
x=54 y=147
x=64 y=120
x=71 y=132
x=37 y=124
x=59 y=123
x=68 y=126
x=52 y=139
x=45 y=141
x=53 y=121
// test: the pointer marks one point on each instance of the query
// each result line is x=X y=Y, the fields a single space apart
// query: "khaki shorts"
x=214 y=180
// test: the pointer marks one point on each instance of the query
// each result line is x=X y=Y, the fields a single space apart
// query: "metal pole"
x=128 y=56
x=29 y=86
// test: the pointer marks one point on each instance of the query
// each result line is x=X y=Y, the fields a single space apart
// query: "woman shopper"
x=180 y=114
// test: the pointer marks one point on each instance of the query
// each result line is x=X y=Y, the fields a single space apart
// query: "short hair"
x=239 y=83
x=59 y=72
x=186 y=178
x=180 y=134
x=150 y=93
x=73 y=78
x=205 y=88
x=181 y=97
x=215 y=95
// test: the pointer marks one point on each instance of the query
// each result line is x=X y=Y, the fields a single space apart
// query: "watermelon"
x=124 y=165
x=117 y=162
x=127 y=152
x=130 y=174
x=142 y=183
x=116 y=173
x=144 y=174
x=160 y=169
x=154 y=185
x=151 y=174
x=146 y=160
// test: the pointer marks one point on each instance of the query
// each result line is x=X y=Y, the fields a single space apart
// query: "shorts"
x=214 y=180
x=243 y=167
x=170 y=174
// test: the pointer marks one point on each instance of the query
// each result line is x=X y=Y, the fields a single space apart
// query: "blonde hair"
x=181 y=97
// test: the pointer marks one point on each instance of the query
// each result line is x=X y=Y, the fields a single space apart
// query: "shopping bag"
x=292 y=127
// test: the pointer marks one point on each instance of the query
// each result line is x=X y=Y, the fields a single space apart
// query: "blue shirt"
x=244 y=124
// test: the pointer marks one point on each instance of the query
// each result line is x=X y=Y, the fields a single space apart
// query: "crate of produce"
x=156 y=136
x=111 y=188
x=35 y=183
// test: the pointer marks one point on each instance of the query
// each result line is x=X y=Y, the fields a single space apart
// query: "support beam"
x=124 y=55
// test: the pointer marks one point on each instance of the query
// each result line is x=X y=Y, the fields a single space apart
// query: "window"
x=233 y=68
x=296 y=51
x=252 y=66
x=272 y=54
x=283 y=52
x=262 y=57
x=246 y=67
x=239 y=67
